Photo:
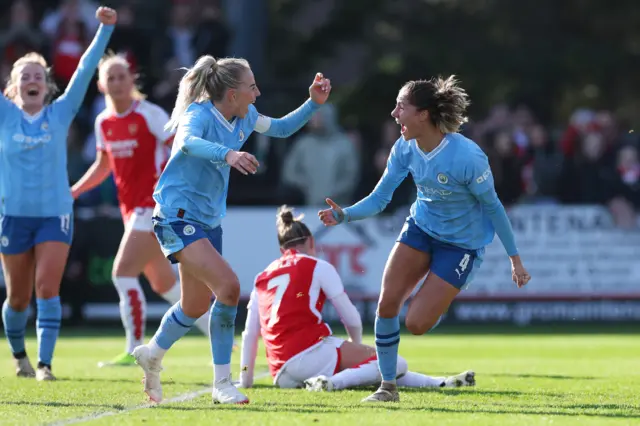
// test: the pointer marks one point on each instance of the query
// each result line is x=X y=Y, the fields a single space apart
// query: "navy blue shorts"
x=174 y=235
x=455 y=265
x=19 y=234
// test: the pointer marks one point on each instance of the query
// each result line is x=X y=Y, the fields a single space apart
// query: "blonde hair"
x=445 y=100
x=209 y=79
x=11 y=89
x=291 y=230
x=111 y=59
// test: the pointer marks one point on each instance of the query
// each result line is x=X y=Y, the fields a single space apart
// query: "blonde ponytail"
x=209 y=79
x=193 y=88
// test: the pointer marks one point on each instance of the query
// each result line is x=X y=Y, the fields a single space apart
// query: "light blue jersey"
x=195 y=181
x=456 y=199
x=33 y=149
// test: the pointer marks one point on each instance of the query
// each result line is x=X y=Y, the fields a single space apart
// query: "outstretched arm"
x=287 y=125
x=292 y=122
x=374 y=203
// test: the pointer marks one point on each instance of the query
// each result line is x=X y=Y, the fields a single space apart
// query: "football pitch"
x=534 y=376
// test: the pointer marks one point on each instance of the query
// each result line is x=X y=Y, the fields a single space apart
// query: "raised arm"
x=77 y=88
x=250 y=337
x=292 y=122
x=287 y=125
x=332 y=287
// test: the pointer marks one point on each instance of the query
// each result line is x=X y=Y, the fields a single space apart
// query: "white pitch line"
x=180 y=398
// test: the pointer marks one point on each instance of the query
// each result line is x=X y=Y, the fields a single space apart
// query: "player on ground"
x=285 y=307
x=133 y=144
x=214 y=115
x=36 y=208
x=455 y=215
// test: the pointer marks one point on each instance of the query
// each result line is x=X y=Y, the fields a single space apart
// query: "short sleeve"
x=157 y=118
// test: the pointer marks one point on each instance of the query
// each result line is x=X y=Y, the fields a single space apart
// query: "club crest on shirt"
x=109 y=132
x=44 y=126
x=241 y=135
x=133 y=128
x=442 y=178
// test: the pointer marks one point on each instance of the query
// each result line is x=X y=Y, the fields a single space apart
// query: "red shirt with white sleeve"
x=138 y=148
x=286 y=305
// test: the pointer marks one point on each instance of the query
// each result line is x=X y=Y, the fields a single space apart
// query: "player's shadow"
x=57 y=404
x=543 y=376
x=320 y=408
x=121 y=380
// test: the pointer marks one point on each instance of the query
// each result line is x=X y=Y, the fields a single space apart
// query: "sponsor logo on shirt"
x=30 y=142
x=485 y=175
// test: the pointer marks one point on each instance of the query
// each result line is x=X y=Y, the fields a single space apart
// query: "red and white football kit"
x=285 y=307
x=138 y=148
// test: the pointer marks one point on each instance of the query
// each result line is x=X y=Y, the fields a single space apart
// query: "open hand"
x=244 y=162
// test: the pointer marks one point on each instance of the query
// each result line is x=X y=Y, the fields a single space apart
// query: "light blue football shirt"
x=196 y=177
x=33 y=149
x=456 y=200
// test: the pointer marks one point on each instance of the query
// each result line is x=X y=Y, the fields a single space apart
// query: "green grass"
x=523 y=379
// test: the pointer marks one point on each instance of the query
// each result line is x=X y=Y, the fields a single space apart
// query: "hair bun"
x=286 y=217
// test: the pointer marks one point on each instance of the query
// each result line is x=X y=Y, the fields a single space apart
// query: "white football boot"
x=152 y=368
x=224 y=392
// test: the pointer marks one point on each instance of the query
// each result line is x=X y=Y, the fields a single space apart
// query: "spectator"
x=587 y=178
x=507 y=167
x=544 y=166
x=212 y=35
x=70 y=30
x=324 y=162
x=20 y=37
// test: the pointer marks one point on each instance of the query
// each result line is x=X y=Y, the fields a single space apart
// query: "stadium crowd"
x=589 y=160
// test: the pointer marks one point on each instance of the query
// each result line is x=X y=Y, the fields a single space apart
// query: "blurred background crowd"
x=553 y=96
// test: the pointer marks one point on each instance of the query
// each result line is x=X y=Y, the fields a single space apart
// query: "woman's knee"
x=123 y=267
x=229 y=290
x=18 y=302
x=195 y=309
x=418 y=324
x=390 y=302
x=47 y=288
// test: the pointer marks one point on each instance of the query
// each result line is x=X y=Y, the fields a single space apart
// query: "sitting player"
x=286 y=306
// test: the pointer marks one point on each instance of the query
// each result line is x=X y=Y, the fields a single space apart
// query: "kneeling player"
x=286 y=306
